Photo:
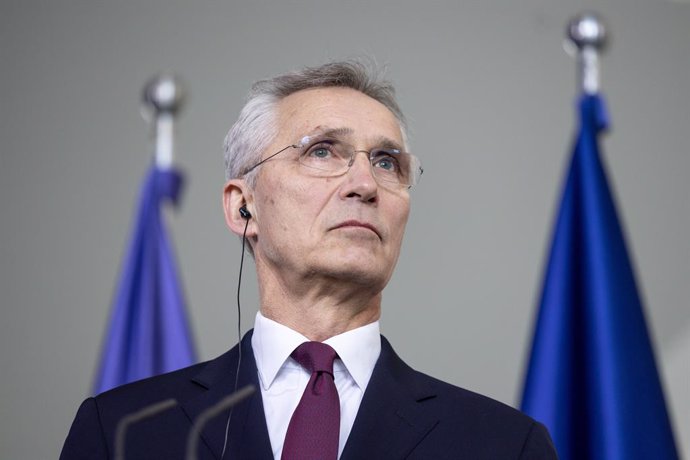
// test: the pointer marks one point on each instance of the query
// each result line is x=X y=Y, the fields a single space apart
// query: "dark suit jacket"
x=403 y=414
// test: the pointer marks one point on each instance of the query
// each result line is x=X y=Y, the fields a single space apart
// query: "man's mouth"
x=358 y=224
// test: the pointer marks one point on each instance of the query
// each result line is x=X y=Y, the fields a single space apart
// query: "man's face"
x=347 y=228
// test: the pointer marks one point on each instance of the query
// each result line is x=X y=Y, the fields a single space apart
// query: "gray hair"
x=255 y=128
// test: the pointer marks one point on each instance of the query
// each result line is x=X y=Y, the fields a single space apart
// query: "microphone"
x=134 y=417
x=211 y=412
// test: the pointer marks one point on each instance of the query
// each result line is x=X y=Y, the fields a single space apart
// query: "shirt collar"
x=273 y=343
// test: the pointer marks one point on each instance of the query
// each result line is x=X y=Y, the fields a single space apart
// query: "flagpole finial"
x=588 y=32
x=163 y=98
x=164 y=93
x=588 y=29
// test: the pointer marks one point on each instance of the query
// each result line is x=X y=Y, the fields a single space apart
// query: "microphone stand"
x=134 y=417
x=211 y=412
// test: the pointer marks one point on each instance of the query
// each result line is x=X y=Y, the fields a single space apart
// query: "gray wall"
x=489 y=93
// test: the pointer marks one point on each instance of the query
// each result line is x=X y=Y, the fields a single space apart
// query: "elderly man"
x=318 y=180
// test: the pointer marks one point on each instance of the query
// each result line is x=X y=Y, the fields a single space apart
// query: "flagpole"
x=164 y=97
x=588 y=33
x=149 y=332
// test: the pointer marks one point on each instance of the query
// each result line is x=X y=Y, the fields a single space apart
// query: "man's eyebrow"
x=382 y=142
x=335 y=132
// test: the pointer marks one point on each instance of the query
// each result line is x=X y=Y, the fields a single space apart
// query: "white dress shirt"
x=283 y=380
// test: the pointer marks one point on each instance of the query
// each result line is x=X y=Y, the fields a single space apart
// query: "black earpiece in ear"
x=244 y=212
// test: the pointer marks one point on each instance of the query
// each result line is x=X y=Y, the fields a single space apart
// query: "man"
x=318 y=183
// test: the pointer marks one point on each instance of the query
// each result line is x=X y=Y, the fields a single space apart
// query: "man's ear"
x=237 y=194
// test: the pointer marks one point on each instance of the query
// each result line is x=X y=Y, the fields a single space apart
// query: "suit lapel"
x=390 y=421
x=248 y=435
x=389 y=424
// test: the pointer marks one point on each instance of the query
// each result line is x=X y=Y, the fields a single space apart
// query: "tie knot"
x=315 y=357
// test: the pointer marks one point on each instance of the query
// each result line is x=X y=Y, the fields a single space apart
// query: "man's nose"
x=359 y=179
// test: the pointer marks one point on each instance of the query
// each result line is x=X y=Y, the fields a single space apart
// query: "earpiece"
x=244 y=212
x=246 y=215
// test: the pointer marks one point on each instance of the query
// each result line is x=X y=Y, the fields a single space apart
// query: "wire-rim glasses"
x=330 y=156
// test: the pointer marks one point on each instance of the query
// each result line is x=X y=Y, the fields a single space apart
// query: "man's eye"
x=320 y=152
x=387 y=163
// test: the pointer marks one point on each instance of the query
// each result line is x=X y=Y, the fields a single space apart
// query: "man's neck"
x=318 y=322
x=320 y=311
x=317 y=307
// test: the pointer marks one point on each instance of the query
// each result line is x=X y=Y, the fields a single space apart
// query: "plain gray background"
x=489 y=93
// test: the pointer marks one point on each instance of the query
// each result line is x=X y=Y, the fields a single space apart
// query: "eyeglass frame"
x=304 y=143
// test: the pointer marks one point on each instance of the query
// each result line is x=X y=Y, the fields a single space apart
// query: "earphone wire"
x=239 y=338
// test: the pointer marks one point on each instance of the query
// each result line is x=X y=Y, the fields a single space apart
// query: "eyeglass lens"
x=334 y=156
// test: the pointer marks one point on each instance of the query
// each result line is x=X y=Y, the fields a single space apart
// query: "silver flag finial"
x=588 y=32
x=164 y=93
x=164 y=97
x=587 y=29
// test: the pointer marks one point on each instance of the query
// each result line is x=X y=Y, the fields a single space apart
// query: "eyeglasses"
x=328 y=156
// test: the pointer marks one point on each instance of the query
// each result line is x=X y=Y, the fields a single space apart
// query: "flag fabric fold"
x=592 y=378
x=148 y=333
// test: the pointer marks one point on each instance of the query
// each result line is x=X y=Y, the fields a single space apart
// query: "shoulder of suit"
x=451 y=399
x=179 y=385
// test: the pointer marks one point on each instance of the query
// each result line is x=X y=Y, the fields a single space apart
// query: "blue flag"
x=592 y=379
x=148 y=332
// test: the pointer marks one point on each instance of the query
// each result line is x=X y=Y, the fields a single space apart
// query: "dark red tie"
x=315 y=425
